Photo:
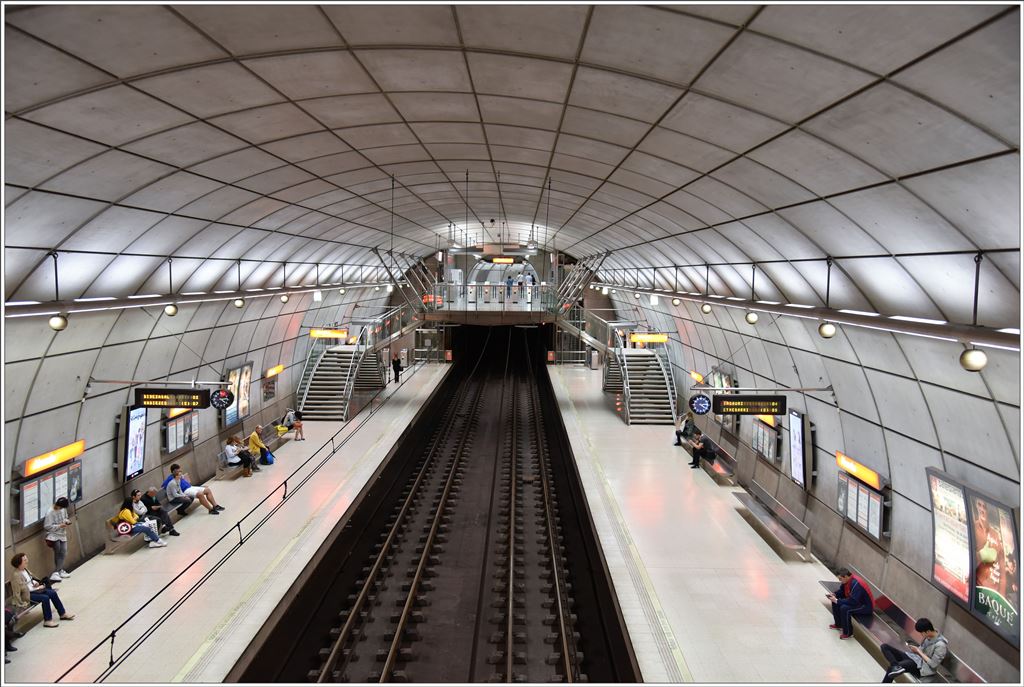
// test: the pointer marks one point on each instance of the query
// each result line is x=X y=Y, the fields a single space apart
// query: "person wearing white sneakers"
x=56 y=525
x=129 y=516
x=26 y=589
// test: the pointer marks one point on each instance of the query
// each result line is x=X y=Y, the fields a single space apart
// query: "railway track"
x=463 y=575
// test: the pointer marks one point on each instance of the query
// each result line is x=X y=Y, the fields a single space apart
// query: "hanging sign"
x=740 y=404
x=172 y=398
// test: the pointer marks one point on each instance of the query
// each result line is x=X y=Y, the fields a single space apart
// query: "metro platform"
x=705 y=599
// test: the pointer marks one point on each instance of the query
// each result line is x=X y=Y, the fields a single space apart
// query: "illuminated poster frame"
x=134 y=455
x=995 y=571
x=797 y=449
x=238 y=379
x=951 y=536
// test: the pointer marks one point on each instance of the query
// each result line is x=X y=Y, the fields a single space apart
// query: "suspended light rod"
x=716 y=390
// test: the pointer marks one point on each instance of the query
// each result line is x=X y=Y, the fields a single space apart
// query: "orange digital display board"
x=745 y=404
x=861 y=472
x=33 y=466
x=648 y=337
x=328 y=333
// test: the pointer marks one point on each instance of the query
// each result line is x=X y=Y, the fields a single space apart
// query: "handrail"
x=287 y=493
x=666 y=373
x=308 y=381
x=353 y=368
x=620 y=355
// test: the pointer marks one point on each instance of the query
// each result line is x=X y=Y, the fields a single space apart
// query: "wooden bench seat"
x=775 y=521
x=890 y=624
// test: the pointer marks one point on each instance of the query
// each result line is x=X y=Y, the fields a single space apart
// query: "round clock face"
x=700 y=404
x=222 y=398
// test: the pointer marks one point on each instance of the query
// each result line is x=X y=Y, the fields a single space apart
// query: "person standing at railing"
x=508 y=287
x=396 y=366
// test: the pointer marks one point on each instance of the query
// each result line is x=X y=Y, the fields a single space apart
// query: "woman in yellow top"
x=128 y=515
x=256 y=444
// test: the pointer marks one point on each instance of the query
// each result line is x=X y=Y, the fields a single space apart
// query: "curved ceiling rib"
x=781 y=135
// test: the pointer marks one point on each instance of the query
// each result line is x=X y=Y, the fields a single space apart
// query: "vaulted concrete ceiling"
x=675 y=135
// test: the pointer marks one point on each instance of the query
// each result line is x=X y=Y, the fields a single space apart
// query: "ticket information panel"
x=747 y=404
x=172 y=398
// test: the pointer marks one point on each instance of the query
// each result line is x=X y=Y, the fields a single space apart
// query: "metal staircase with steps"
x=328 y=394
x=648 y=388
x=612 y=374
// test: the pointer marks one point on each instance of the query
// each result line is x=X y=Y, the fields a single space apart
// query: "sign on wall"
x=951 y=553
x=748 y=404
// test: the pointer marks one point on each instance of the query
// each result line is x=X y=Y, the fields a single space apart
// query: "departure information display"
x=739 y=404
x=172 y=398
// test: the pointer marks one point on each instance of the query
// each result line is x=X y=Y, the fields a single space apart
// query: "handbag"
x=50 y=543
x=268 y=459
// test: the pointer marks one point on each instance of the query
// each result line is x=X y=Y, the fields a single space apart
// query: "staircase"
x=326 y=398
x=370 y=373
x=650 y=399
x=612 y=373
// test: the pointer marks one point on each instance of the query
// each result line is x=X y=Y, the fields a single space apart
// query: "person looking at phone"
x=853 y=598
x=27 y=588
x=919 y=661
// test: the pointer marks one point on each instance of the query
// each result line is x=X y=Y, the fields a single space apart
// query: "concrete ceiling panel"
x=394 y=25
x=165 y=236
x=33 y=153
x=275 y=179
x=417 y=70
x=451 y=107
x=778 y=80
x=603 y=126
x=864 y=442
x=651 y=42
x=908 y=460
x=263 y=124
x=684 y=150
x=393 y=154
x=186 y=145
x=1002 y=375
x=667 y=172
x=899 y=221
x=280 y=217
x=642 y=183
x=877 y=350
x=172 y=192
x=211 y=90
x=45 y=219
x=112 y=115
x=950 y=280
x=984 y=443
x=134 y=39
x=43 y=432
x=730 y=200
x=761 y=183
x=900 y=133
x=377 y=135
x=723 y=124
x=935 y=362
x=206 y=242
x=442 y=132
x=17 y=383
x=313 y=75
x=816 y=165
x=622 y=95
x=335 y=164
x=671 y=217
x=156 y=358
x=35 y=73
x=522 y=155
x=520 y=112
x=505 y=75
x=262 y=28
x=974 y=78
x=902 y=406
x=109 y=176
x=306 y=147
x=237 y=165
x=120 y=276
x=302 y=192
x=830 y=230
x=731 y=14
x=981 y=199
x=457 y=151
x=890 y=288
x=114 y=228
x=218 y=204
x=1012 y=420
x=694 y=204
x=879 y=39
x=520 y=136
x=590 y=149
x=541 y=30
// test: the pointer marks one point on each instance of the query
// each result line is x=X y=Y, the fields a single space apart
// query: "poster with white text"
x=952 y=554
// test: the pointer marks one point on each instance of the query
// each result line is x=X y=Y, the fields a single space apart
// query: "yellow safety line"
x=634 y=553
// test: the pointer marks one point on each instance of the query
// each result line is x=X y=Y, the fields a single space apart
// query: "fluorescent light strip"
x=861 y=312
x=94 y=299
x=1011 y=330
x=9 y=303
x=734 y=298
x=799 y=305
x=252 y=290
x=768 y=302
x=922 y=320
x=194 y=293
x=1002 y=348
x=144 y=295
x=229 y=291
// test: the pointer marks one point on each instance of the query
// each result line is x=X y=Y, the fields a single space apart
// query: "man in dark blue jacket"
x=852 y=598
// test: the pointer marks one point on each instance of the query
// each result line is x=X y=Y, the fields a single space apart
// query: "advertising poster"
x=862 y=506
x=269 y=389
x=875 y=515
x=75 y=482
x=841 y=495
x=195 y=427
x=231 y=412
x=952 y=554
x=995 y=596
x=244 y=384
x=135 y=451
x=29 y=503
x=796 y=447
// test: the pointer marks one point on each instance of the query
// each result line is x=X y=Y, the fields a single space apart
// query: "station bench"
x=19 y=613
x=776 y=521
x=115 y=542
x=721 y=468
x=891 y=625
x=270 y=437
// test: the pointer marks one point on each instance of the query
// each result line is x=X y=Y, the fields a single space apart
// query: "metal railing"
x=493 y=296
x=661 y=352
x=325 y=452
x=316 y=352
x=620 y=356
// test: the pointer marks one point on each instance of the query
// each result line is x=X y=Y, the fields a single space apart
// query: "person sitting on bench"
x=684 y=428
x=237 y=454
x=128 y=515
x=920 y=661
x=179 y=486
x=27 y=589
x=151 y=508
x=700 y=448
x=853 y=598
x=181 y=501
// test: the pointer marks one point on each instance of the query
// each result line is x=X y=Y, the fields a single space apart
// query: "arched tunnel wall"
x=900 y=404
x=46 y=406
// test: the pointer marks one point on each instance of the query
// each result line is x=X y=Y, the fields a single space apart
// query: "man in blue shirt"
x=853 y=598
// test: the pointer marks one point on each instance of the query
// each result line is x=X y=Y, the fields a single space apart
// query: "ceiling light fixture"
x=706 y=308
x=284 y=298
x=170 y=309
x=974 y=359
x=751 y=316
x=676 y=301
x=58 y=323
x=826 y=330
x=239 y=302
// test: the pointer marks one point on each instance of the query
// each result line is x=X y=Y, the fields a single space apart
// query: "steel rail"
x=510 y=606
x=564 y=630
x=326 y=673
x=392 y=656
